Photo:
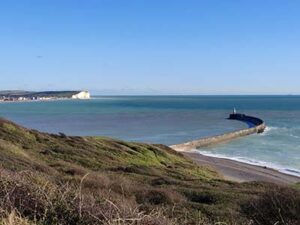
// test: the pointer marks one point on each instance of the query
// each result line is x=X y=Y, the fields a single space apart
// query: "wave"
x=272 y=129
x=289 y=171
x=283 y=131
x=294 y=136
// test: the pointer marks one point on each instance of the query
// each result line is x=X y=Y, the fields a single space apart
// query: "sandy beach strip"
x=241 y=172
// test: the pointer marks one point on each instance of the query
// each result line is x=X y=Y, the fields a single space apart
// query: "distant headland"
x=16 y=96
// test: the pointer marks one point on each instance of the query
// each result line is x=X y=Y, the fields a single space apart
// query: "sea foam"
x=289 y=171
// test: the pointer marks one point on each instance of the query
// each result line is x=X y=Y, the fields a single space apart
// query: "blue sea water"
x=176 y=119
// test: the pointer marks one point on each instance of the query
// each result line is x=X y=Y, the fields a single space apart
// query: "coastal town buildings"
x=43 y=96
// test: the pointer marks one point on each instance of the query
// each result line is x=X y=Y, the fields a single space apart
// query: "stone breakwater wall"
x=256 y=126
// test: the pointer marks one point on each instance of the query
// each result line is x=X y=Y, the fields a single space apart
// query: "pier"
x=256 y=125
x=253 y=122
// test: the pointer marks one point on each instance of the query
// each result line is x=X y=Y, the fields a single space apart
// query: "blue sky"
x=151 y=46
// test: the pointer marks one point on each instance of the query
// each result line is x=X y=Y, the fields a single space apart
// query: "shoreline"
x=233 y=169
x=42 y=100
x=240 y=171
x=252 y=162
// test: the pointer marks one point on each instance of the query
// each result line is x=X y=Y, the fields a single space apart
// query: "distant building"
x=44 y=95
x=21 y=99
x=234 y=111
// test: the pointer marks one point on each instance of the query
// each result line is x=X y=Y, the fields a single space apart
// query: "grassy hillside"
x=57 y=179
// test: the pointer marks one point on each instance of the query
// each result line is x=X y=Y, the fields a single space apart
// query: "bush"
x=279 y=205
x=28 y=198
x=201 y=197
x=158 y=197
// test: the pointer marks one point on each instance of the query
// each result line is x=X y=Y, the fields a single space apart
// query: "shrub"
x=201 y=197
x=279 y=205
x=28 y=198
x=158 y=197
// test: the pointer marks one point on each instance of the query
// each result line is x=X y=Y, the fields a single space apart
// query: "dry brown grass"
x=29 y=196
x=277 y=206
x=14 y=219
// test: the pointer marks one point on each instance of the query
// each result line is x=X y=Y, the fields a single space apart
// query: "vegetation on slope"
x=57 y=179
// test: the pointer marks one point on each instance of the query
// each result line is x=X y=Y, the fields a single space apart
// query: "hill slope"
x=57 y=179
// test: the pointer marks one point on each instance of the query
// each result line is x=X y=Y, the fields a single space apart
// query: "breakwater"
x=256 y=125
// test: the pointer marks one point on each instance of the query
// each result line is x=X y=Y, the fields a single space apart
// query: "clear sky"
x=151 y=46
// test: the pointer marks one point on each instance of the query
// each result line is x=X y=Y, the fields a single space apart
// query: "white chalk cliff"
x=82 y=95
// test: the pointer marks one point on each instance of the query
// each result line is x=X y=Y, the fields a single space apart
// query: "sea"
x=176 y=119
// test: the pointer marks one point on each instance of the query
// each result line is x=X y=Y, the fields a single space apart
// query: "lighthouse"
x=234 y=111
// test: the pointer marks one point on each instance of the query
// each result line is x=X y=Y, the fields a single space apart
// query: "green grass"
x=111 y=177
